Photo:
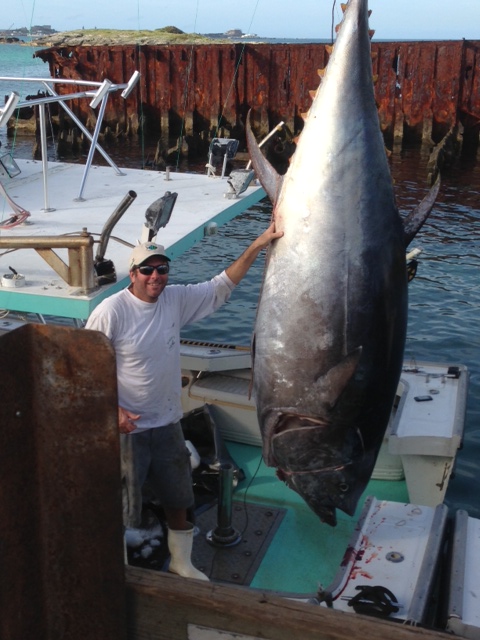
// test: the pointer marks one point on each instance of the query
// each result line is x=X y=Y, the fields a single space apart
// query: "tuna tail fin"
x=270 y=180
x=414 y=221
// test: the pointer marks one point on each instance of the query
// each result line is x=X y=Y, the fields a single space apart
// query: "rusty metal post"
x=61 y=528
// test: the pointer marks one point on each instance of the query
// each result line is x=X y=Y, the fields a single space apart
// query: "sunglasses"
x=161 y=269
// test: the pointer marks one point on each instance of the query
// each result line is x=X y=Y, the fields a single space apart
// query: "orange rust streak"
x=424 y=86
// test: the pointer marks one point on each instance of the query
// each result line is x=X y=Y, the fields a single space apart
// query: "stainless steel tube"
x=224 y=535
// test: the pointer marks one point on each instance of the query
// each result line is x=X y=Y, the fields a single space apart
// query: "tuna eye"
x=343 y=487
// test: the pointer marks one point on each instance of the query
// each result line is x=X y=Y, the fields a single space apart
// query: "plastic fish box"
x=464 y=587
x=395 y=549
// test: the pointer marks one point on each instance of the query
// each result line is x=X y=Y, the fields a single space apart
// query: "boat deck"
x=300 y=533
x=414 y=467
x=200 y=202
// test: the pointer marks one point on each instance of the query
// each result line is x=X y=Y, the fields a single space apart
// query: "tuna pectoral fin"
x=414 y=221
x=270 y=180
x=331 y=385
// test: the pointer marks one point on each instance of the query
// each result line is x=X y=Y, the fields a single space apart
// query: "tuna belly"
x=324 y=464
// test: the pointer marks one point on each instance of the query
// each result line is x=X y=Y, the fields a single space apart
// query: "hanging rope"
x=185 y=100
x=140 y=89
x=185 y=93
x=232 y=84
x=187 y=83
x=332 y=31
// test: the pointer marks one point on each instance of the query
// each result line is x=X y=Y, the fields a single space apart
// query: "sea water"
x=444 y=297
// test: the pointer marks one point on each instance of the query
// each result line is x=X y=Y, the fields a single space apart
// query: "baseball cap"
x=144 y=251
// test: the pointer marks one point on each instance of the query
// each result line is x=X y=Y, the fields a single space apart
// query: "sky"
x=391 y=19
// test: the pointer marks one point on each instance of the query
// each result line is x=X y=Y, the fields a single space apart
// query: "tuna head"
x=320 y=462
x=332 y=316
x=322 y=456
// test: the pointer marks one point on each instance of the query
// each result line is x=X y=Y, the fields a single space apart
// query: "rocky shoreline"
x=110 y=37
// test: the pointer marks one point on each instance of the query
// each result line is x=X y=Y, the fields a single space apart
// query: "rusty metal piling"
x=203 y=91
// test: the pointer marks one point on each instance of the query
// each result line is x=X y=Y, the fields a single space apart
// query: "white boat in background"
x=66 y=234
x=67 y=229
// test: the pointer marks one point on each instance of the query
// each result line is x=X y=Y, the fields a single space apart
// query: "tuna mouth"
x=328 y=516
x=288 y=421
x=326 y=489
x=304 y=444
x=321 y=461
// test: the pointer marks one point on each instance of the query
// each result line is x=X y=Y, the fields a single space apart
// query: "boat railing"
x=78 y=272
x=98 y=92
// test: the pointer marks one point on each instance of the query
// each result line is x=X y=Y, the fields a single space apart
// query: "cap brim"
x=156 y=255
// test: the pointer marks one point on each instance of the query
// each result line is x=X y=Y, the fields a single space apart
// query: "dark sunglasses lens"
x=161 y=269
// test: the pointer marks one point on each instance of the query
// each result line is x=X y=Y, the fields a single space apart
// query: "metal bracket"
x=79 y=272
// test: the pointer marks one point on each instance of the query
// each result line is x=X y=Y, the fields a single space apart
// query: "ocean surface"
x=444 y=297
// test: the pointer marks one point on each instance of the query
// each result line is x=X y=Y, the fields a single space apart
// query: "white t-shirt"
x=146 y=339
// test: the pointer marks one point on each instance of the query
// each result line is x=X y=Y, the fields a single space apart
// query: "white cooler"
x=427 y=429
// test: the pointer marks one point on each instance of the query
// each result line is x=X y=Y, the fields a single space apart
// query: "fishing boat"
x=274 y=569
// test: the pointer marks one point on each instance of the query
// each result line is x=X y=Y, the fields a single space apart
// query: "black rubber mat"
x=256 y=526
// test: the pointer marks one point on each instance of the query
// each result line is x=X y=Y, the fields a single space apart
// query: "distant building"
x=23 y=32
x=44 y=30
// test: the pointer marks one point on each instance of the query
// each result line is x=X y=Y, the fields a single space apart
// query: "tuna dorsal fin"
x=414 y=221
x=270 y=180
x=332 y=384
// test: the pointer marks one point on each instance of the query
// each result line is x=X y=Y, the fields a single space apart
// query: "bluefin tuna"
x=331 y=321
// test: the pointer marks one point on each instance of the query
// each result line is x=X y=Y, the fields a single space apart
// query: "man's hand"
x=238 y=269
x=267 y=236
x=126 y=420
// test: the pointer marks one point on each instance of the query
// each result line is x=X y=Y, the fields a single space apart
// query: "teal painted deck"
x=301 y=535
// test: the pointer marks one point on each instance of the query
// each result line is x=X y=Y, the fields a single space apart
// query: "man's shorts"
x=159 y=456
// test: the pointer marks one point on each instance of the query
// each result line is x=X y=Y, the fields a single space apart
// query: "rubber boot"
x=180 y=547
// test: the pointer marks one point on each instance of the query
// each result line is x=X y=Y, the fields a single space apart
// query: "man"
x=143 y=323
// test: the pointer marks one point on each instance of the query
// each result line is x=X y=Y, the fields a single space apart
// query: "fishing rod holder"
x=98 y=92
x=224 y=534
x=6 y=112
